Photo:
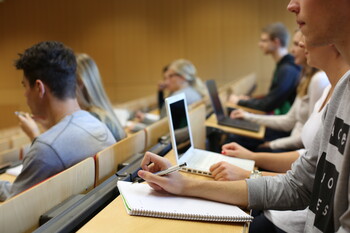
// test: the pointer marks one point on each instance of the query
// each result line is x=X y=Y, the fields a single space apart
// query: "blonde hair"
x=307 y=74
x=188 y=71
x=90 y=91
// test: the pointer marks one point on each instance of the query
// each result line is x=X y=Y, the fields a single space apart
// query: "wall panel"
x=132 y=40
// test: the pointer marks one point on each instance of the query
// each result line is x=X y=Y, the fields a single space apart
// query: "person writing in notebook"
x=274 y=41
x=319 y=178
x=328 y=59
x=49 y=81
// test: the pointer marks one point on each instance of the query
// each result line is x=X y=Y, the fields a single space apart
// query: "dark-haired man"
x=274 y=42
x=49 y=81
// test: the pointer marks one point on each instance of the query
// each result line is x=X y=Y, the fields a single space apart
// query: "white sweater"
x=295 y=119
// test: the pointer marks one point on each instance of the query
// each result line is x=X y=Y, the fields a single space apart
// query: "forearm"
x=277 y=162
x=292 y=142
x=231 y=192
x=277 y=122
x=271 y=173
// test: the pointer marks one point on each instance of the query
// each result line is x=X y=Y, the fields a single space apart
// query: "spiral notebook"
x=140 y=199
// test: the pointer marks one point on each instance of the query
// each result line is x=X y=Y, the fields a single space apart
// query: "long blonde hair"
x=307 y=74
x=186 y=69
x=90 y=91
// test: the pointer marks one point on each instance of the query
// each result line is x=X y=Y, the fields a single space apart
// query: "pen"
x=170 y=170
x=162 y=173
x=19 y=113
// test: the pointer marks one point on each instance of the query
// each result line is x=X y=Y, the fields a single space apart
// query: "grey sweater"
x=319 y=178
x=74 y=138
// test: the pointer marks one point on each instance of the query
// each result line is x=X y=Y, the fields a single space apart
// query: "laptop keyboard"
x=240 y=124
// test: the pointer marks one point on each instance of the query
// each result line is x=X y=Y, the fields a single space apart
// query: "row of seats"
x=21 y=213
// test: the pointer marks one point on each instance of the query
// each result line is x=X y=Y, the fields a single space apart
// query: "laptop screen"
x=180 y=126
x=215 y=100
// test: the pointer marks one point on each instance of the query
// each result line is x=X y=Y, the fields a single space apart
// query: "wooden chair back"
x=19 y=140
x=10 y=155
x=5 y=144
x=21 y=213
x=155 y=131
x=108 y=159
x=197 y=121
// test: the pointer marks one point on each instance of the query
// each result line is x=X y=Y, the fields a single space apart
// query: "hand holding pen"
x=166 y=171
x=173 y=182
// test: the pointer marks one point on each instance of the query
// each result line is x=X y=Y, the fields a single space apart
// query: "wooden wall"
x=132 y=40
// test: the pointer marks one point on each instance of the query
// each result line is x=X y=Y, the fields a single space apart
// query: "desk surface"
x=212 y=122
x=7 y=177
x=113 y=218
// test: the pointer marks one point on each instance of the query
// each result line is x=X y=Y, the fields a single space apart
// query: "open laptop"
x=220 y=116
x=198 y=161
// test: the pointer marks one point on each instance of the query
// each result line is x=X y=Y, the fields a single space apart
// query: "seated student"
x=295 y=190
x=49 y=81
x=179 y=77
x=326 y=58
x=309 y=91
x=162 y=89
x=274 y=41
x=319 y=178
x=92 y=96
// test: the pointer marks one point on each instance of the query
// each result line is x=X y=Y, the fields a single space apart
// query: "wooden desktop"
x=212 y=122
x=114 y=218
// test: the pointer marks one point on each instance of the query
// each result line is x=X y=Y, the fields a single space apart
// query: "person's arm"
x=40 y=163
x=284 y=122
x=224 y=171
x=232 y=192
x=276 y=162
x=5 y=188
x=28 y=125
x=291 y=142
x=286 y=82
x=285 y=192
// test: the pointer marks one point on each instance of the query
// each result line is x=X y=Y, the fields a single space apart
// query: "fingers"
x=217 y=170
x=158 y=162
x=238 y=113
x=229 y=146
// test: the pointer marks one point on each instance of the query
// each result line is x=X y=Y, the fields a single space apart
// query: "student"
x=180 y=77
x=274 y=41
x=320 y=177
x=49 y=81
x=328 y=59
x=309 y=91
x=92 y=96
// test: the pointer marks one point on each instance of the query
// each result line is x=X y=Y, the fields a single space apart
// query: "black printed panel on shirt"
x=323 y=195
x=339 y=134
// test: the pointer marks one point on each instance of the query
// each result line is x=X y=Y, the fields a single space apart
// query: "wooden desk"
x=7 y=177
x=114 y=218
x=212 y=122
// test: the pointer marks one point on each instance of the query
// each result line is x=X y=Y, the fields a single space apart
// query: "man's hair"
x=54 y=64
x=279 y=31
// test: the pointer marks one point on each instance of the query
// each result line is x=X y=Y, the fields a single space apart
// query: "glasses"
x=173 y=75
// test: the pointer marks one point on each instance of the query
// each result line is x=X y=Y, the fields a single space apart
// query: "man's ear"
x=40 y=88
x=277 y=42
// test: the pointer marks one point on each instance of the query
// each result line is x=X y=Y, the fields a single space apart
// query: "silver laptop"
x=198 y=161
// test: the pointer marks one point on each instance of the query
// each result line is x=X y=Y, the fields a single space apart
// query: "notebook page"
x=141 y=197
x=14 y=171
